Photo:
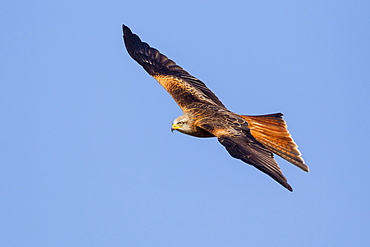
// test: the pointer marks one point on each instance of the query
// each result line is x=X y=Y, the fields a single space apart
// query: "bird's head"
x=182 y=124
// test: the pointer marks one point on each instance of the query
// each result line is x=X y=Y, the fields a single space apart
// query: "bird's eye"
x=180 y=123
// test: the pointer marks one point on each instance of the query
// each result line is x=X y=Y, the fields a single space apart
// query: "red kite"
x=253 y=139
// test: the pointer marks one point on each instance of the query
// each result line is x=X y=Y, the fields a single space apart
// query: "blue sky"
x=87 y=156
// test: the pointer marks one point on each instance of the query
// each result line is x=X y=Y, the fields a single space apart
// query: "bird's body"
x=253 y=139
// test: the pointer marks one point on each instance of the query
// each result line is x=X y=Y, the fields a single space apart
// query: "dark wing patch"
x=252 y=152
x=170 y=75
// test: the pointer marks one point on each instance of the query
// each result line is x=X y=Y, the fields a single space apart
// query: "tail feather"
x=271 y=131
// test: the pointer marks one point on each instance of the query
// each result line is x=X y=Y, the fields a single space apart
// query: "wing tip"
x=289 y=187
x=125 y=28
x=306 y=168
x=284 y=183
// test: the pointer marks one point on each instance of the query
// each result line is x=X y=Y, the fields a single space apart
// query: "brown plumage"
x=253 y=139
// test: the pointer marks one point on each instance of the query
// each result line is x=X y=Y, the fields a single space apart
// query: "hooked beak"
x=174 y=127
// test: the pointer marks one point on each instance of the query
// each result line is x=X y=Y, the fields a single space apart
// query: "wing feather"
x=183 y=87
x=271 y=130
x=253 y=153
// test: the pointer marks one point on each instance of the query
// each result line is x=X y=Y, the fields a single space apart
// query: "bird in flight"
x=252 y=139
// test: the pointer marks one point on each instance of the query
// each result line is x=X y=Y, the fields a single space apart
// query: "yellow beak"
x=174 y=127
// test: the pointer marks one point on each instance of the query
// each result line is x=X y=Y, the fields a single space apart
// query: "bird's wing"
x=234 y=134
x=252 y=152
x=183 y=87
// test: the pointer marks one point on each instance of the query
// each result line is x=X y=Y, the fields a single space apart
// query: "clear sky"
x=87 y=156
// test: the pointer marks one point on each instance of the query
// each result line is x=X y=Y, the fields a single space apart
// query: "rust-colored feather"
x=271 y=131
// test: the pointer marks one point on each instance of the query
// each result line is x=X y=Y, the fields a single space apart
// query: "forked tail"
x=271 y=131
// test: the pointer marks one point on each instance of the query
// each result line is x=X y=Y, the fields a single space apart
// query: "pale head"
x=182 y=124
x=185 y=124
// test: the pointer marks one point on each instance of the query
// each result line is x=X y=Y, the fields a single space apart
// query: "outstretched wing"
x=234 y=133
x=252 y=152
x=183 y=87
